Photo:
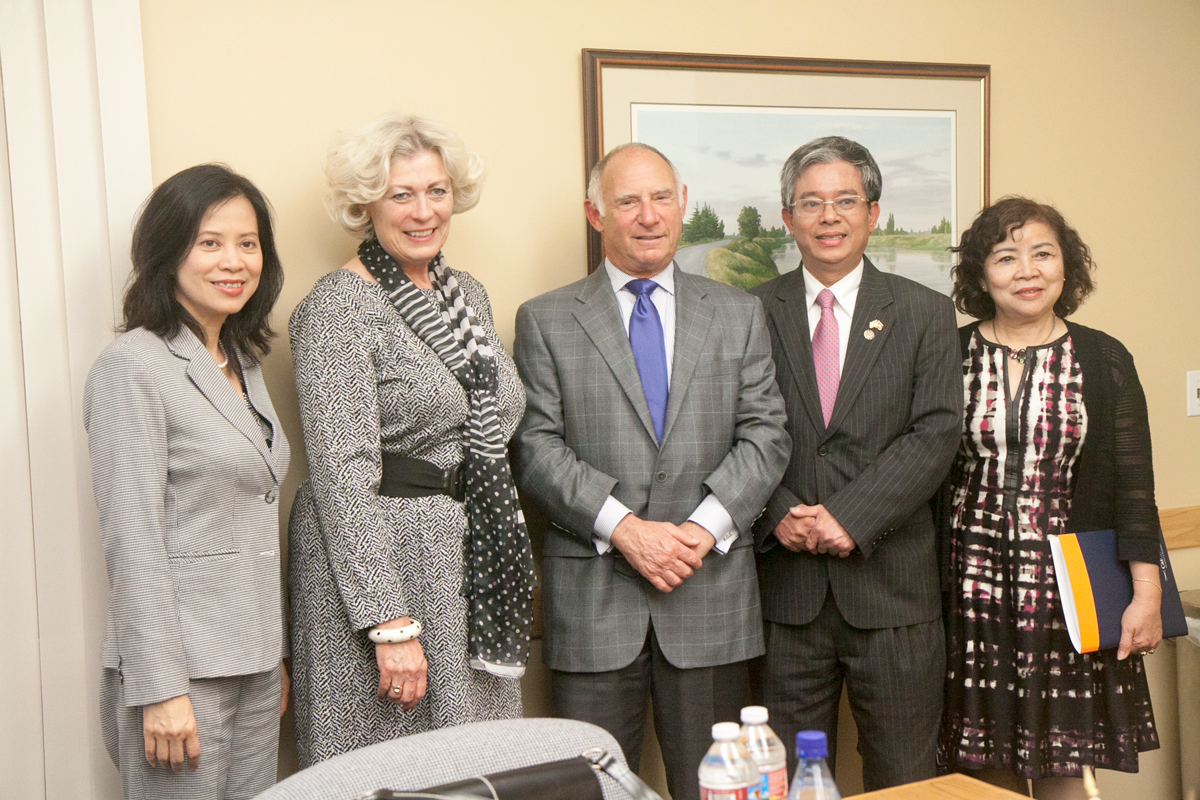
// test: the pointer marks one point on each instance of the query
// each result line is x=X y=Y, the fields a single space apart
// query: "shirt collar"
x=843 y=290
x=618 y=279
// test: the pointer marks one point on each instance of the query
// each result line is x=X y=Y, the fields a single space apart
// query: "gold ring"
x=395 y=690
x=1149 y=652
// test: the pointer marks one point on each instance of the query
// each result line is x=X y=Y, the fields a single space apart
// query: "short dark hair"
x=993 y=226
x=166 y=230
x=830 y=150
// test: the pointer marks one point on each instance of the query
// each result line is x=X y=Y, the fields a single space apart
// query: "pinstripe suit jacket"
x=587 y=434
x=895 y=428
x=189 y=517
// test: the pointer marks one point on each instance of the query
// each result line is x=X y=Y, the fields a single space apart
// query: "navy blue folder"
x=1095 y=588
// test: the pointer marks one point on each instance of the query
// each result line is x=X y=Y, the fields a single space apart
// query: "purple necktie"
x=649 y=351
x=825 y=354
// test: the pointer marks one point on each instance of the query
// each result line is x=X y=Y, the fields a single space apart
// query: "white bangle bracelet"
x=395 y=635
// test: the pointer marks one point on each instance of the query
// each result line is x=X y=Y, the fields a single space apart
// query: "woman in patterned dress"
x=410 y=574
x=1056 y=440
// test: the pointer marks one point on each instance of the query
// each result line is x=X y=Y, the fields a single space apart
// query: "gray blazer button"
x=270 y=496
x=821 y=451
x=660 y=476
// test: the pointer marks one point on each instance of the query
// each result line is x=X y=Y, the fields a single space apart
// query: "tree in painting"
x=749 y=222
x=704 y=226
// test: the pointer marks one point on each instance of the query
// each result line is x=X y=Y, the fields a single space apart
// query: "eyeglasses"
x=847 y=205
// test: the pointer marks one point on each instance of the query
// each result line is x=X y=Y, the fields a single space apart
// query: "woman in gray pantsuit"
x=187 y=457
x=409 y=566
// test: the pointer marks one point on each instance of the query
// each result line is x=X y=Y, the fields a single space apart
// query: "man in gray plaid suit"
x=653 y=435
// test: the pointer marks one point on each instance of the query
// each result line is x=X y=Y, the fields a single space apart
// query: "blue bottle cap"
x=811 y=744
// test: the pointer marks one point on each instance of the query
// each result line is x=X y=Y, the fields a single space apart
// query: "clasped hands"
x=813 y=529
x=665 y=554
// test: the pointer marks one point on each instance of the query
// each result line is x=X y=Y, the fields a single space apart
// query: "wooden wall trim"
x=1181 y=526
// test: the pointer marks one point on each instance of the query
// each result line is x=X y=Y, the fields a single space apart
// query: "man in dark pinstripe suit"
x=648 y=584
x=868 y=366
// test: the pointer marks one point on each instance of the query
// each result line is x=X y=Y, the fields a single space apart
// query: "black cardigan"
x=1114 y=476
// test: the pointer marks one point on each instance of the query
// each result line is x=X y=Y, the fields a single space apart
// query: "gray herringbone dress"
x=366 y=381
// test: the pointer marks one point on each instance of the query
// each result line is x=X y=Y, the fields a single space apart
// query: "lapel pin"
x=868 y=334
x=876 y=324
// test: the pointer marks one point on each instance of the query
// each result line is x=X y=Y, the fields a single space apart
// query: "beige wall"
x=1079 y=90
x=1095 y=107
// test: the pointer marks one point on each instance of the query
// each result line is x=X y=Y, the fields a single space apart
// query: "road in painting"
x=731 y=156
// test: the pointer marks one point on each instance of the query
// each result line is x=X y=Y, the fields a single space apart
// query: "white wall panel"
x=76 y=171
x=21 y=753
x=121 y=81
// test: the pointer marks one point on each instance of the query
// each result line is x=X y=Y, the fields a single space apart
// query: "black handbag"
x=570 y=779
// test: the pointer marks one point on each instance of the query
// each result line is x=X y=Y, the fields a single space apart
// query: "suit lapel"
x=789 y=315
x=204 y=374
x=256 y=389
x=600 y=319
x=873 y=305
x=693 y=318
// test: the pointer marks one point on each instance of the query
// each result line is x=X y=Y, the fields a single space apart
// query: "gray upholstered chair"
x=446 y=755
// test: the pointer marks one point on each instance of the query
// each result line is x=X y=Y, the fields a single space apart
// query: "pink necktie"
x=825 y=354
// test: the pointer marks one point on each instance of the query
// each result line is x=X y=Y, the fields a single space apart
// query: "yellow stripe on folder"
x=1081 y=587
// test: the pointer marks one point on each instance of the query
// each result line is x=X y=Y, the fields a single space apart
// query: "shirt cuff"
x=712 y=516
x=611 y=514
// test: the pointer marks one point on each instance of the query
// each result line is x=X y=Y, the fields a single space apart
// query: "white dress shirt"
x=845 y=294
x=710 y=514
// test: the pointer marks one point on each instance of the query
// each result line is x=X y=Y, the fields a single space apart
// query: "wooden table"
x=947 y=787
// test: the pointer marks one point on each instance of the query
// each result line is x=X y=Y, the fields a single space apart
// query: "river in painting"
x=930 y=267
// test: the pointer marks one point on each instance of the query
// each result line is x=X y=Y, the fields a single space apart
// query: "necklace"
x=1020 y=356
x=225 y=363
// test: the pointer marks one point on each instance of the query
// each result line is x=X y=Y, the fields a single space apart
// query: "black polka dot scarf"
x=498 y=576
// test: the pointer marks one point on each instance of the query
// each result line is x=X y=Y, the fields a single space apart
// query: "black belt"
x=414 y=477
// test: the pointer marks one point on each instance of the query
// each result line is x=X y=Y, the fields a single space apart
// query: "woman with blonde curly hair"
x=410 y=570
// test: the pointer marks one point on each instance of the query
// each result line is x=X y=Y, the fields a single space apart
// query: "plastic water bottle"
x=727 y=773
x=767 y=751
x=813 y=780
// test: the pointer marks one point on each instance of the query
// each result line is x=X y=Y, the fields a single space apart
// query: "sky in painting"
x=731 y=156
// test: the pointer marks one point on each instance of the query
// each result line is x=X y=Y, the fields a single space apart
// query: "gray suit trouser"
x=237 y=719
x=893 y=679
x=687 y=702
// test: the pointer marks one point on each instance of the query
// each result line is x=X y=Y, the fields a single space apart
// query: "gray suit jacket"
x=187 y=491
x=894 y=431
x=587 y=434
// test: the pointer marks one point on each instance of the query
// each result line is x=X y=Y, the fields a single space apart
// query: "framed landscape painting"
x=729 y=122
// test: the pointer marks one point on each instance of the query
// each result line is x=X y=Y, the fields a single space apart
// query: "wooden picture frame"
x=621 y=87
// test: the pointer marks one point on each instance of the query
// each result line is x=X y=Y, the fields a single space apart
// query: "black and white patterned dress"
x=365 y=381
x=1018 y=696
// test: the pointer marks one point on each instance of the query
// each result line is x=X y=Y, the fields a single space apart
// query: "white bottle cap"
x=754 y=715
x=726 y=731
